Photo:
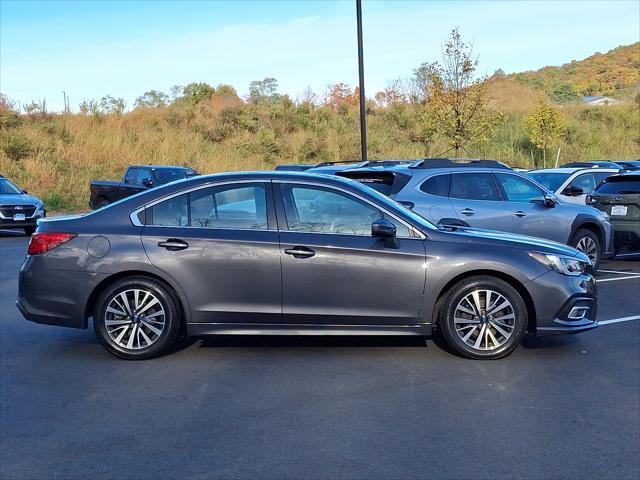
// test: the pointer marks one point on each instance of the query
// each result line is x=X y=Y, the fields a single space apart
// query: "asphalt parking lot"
x=357 y=407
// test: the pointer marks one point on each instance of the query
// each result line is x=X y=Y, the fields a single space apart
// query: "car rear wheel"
x=29 y=231
x=137 y=318
x=483 y=317
x=588 y=243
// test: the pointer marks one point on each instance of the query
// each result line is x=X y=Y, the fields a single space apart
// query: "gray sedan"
x=295 y=254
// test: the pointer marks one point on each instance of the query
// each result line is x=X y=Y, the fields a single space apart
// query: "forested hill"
x=615 y=73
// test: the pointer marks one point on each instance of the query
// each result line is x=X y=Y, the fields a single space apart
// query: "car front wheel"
x=588 y=243
x=137 y=318
x=483 y=317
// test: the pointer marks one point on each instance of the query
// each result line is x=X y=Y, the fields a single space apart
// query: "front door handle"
x=467 y=211
x=520 y=214
x=174 y=244
x=300 y=252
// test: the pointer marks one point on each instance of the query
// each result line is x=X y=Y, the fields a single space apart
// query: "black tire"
x=497 y=345
x=142 y=325
x=582 y=239
x=29 y=231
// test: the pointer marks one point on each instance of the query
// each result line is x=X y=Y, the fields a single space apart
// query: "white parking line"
x=618 y=272
x=634 y=277
x=618 y=320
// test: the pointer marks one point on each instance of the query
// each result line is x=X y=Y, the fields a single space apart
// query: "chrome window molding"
x=133 y=216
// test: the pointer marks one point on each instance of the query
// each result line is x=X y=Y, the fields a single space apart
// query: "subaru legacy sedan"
x=287 y=253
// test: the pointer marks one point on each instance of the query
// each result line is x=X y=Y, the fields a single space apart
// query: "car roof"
x=161 y=167
x=573 y=170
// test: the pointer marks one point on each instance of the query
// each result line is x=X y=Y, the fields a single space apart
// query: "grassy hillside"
x=211 y=129
x=615 y=73
x=55 y=156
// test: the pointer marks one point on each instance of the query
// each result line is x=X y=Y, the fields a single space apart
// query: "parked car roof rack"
x=593 y=164
x=337 y=162
x=458 y=163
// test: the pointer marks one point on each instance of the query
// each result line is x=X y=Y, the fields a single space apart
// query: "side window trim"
x=148 y=210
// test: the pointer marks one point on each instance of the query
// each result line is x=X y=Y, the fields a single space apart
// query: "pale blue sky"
x=90 y=49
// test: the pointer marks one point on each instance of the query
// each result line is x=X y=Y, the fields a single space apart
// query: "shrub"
x=16 y=147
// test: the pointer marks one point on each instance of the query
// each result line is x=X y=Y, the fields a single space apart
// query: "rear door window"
x=237 y=206
x=474 y=186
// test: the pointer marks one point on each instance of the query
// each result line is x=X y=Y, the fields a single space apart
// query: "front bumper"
x=10 y=223
x=563 y=303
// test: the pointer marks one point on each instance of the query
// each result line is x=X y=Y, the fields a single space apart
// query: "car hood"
x=503 y=239
x=21 y=199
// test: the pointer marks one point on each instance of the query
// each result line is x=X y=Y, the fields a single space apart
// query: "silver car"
x=488 y=194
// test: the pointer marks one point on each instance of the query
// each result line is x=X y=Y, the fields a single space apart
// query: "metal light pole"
x=363 y=121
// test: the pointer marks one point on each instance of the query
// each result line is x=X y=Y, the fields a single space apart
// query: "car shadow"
x=552 y=341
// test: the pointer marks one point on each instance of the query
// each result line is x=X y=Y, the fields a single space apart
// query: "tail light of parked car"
x=43 y=242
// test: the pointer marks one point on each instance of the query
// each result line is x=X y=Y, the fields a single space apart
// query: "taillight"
x=43 y=242
x=590 y=200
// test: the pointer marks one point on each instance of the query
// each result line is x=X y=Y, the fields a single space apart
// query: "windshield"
x=166 y=175
x=549 y=180
x=8 y=188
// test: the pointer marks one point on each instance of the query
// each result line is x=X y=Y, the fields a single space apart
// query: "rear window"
x=437 y=185
x=619 y=186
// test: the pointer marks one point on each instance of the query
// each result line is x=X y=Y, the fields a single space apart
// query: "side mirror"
x=572 y=191
x=147 y=183
x=383 y=228
x=550 y=201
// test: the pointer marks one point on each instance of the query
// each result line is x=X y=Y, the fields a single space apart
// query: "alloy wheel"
x=484 y=319
x=588 y=246
x=135 y=318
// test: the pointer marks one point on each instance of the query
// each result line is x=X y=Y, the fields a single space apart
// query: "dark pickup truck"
x=136 y=179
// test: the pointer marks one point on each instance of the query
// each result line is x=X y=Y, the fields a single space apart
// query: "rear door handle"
x=520 y=214
x=174 y=244
x=300 y=252
x=467 y=211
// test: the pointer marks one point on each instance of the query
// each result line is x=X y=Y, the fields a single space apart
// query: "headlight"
x=561 y=263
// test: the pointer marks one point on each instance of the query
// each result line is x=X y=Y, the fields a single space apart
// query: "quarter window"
x=322 y=210
x=518 y=189
x=437 y=185
x=474 y=186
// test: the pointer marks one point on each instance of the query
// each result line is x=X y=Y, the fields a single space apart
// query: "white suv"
x=571 y=184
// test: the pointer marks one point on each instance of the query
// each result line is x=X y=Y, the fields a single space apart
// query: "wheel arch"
x=514 y=282
x=583 y=221
x=99 y=288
